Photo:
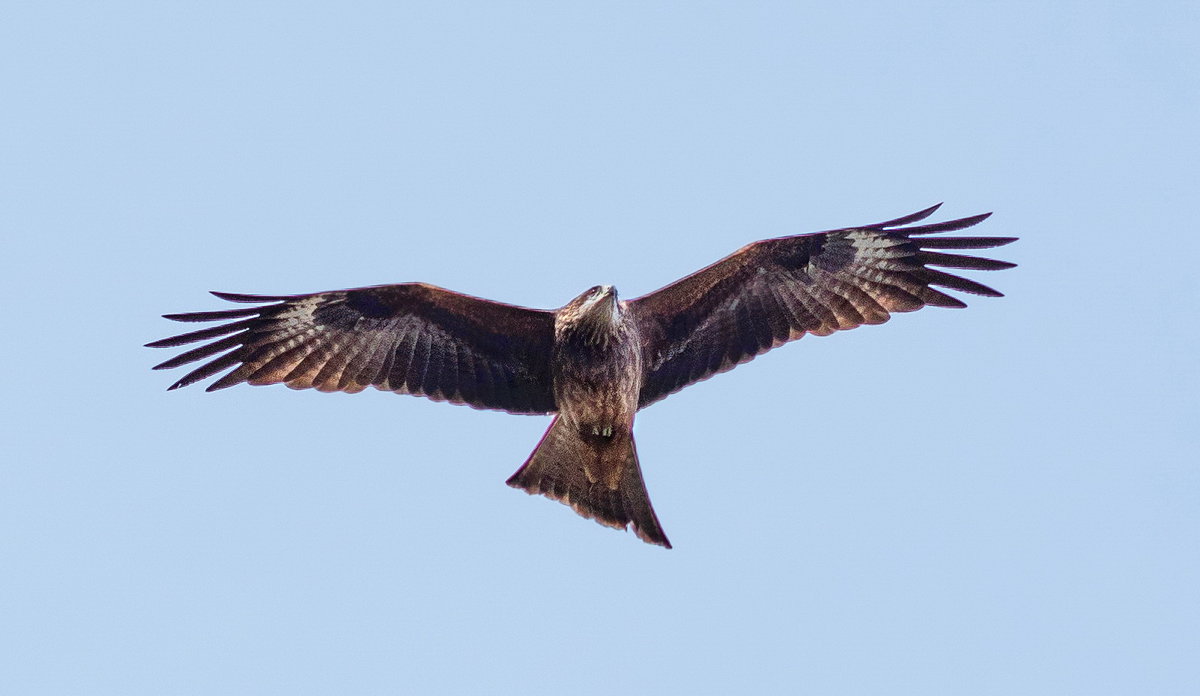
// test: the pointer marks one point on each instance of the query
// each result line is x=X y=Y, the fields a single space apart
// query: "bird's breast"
x=597 y=383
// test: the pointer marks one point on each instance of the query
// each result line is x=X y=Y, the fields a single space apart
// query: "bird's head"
x=597 y=307
x=597 y=301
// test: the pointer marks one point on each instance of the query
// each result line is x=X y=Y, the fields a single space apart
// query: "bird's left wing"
x=411 y=338
x=777 y=290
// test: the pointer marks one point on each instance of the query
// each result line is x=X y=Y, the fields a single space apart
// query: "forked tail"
x=614 y=494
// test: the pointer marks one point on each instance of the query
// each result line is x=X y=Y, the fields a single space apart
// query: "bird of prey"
x=594 y=363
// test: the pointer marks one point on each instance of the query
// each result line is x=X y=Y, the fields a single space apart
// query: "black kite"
x=594 y=363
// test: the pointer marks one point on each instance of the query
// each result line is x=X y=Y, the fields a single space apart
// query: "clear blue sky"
x=998 y=500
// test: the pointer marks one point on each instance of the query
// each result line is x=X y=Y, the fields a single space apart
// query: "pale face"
x=595 y=299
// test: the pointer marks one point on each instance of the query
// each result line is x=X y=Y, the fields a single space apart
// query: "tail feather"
x=559 y=469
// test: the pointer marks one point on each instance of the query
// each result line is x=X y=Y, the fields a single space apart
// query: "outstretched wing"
x=777 y=290
x=412 y=338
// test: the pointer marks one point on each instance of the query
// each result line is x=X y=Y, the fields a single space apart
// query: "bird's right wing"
x=411 y=338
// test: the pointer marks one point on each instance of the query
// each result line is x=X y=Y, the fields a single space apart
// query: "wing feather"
x=201 y=335
x=207 y=370
x=365 y=369
x=202 y=352
x=777 y=290
x=411 y=338
x=974 y=263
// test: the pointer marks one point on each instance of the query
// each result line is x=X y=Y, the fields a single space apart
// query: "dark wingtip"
x=922 y=214
x=242 y=297
x=225 y=382
x=948 y=226
x=907 y=219
x=959 y=243
x=976 y=219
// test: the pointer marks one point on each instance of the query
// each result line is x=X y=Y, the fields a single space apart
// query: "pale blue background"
x=999 y=500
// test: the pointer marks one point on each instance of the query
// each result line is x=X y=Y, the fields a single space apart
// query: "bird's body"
x=587 y=458
x=596 y=361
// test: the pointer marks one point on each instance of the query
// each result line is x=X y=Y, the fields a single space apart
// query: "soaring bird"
x=594 y=363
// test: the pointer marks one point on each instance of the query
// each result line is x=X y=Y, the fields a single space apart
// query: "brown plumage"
x=597 y=360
